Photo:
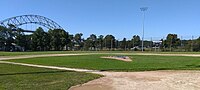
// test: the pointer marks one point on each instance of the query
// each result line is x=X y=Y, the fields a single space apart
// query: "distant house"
x=157 y=43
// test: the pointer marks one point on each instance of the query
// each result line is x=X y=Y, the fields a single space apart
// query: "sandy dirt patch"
x=122 y=58
x=150 y=80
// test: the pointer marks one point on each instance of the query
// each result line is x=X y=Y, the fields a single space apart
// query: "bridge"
x=15 y=22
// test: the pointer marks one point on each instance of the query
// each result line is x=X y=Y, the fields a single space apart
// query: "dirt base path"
x=150 y=80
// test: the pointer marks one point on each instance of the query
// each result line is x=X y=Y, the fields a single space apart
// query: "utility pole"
x=163 y=44
x=111 y=42
x=171 y=45
x=143 y=9
x=192 y=43
x=133 y=44
x=105 y=44
x=181 y=44
x=151 y=44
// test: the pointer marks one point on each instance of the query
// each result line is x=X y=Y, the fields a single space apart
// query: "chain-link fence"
x=179 y=43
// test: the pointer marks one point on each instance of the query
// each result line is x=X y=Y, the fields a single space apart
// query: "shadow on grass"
x=138 y=69
x=24 y=73
x=193 y=66
x=150 y=69
x=198 y=66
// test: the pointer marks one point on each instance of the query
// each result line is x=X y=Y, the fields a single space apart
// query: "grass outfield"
x=75 y=52
x=14 y=77
x=139 y=63
x=2 y=53
x=32 y=53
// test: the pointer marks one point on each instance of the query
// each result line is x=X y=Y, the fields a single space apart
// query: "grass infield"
x=139 y=63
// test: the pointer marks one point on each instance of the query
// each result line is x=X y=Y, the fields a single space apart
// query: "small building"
x=157 y=45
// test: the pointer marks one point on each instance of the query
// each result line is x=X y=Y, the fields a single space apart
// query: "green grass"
x=14 y=77
x=178 y=52
x=2 y=53
x=22 y=78
x=139 y=63
x=32 y=53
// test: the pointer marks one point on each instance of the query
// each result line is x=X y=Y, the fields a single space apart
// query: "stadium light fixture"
x=143 y=9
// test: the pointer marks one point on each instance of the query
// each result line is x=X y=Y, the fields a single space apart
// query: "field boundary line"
x=49 y=67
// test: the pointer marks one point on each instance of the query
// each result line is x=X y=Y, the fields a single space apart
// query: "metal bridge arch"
x=28 y=19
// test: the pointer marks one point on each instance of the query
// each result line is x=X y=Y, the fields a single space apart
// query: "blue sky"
x=121 y=18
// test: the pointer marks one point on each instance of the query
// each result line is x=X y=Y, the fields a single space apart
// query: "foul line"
x=43 y=66
x=50 y=67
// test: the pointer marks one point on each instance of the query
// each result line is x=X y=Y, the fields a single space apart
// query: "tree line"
x=58 y=39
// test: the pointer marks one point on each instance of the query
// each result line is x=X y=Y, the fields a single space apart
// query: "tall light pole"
x=143 y=9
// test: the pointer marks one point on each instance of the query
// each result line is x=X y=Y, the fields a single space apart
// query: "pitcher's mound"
x=122 y=58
